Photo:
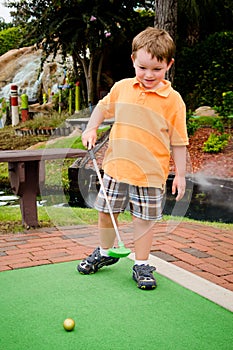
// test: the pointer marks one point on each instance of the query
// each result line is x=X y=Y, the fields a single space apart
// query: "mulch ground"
x=210 y=164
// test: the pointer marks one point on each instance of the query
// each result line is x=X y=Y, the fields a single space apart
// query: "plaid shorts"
x=144 y=202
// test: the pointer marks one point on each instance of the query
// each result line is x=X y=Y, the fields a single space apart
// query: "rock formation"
x=22 y=68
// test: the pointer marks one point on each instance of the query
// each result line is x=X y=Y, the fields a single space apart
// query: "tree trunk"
x=87 y=65
x=75 y=64
x=90 y=83
x=100 y=65
x=166 y=18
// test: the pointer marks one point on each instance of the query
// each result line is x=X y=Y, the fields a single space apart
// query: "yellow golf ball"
x=69 y=324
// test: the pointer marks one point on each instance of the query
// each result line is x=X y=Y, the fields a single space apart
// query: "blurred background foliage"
x=98 y=35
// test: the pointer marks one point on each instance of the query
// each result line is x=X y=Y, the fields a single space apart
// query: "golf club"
x=121 y=251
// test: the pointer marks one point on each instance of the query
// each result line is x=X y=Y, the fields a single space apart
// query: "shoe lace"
x=94 y=256
x=146 y=270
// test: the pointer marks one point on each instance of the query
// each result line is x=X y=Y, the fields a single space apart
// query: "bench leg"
x=29 y=210
x=28 y=194
x=26 y=177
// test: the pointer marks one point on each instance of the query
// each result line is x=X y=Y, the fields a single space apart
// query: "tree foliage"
x=197 y=19
x=204 y=51
x=97 y=34
x=3 y=24
x=10 y=39
x=84 y=29
x=204 y=70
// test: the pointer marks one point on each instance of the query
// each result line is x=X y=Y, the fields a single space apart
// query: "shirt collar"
x=163 y=91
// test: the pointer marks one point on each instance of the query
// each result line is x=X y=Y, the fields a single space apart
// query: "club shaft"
x=106 y=198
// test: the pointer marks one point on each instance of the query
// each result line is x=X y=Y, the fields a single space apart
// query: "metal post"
x=77 y=97
x=70 y=100
x=24 y=107
x=59 y=100
x=14 y=105
x=44 y=98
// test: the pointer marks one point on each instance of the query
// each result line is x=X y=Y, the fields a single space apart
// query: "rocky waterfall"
x=21 y=67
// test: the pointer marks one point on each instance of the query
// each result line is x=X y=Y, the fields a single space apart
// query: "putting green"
x=109 y=310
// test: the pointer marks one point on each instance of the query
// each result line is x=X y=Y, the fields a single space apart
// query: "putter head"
x=121 y=252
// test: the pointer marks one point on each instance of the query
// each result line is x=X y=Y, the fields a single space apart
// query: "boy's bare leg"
x=143 y=237
x=107 y=233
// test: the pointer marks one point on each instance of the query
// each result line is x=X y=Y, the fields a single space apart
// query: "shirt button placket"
x=141 y=98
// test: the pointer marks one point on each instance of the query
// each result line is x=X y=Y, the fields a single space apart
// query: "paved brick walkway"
x=203 y=250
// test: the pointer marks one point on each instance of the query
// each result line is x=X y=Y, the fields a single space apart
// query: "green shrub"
x=192 y=124
x=204 y=120
x=216 y=143
x=196 y=122
x=192 y=127
x=226 y=108
x=218 y=125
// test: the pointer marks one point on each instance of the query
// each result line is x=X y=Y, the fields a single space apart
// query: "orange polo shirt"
x=147 y=123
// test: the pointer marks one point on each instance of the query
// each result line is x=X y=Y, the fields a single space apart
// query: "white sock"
x=103 y=252
x=141 y=262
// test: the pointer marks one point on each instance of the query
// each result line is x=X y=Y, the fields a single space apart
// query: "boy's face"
x=149 y=71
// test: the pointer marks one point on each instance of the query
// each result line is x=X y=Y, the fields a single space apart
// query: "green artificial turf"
x=109 y=310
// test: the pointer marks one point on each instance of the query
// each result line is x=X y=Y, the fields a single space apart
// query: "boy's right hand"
x=89 y=135
x=89 y=138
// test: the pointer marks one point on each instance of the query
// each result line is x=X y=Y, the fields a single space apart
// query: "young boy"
x=150 y=121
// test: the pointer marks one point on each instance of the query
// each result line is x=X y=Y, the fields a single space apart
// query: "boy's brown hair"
x=155 y=41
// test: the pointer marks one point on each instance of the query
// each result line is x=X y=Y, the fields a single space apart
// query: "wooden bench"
x=27 y=173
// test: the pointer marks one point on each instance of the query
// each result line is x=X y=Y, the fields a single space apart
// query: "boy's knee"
x=143 y=222
x=105 y=219
x=142 y=226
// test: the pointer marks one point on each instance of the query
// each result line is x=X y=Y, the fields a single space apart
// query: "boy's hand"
x=179 y=185
x=89 y=138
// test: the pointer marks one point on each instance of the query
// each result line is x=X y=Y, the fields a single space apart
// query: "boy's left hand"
x=179 y=185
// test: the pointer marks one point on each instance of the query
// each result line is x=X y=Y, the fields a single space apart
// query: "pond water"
x=210 y=199
x=55 y=199
x=6 y=198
